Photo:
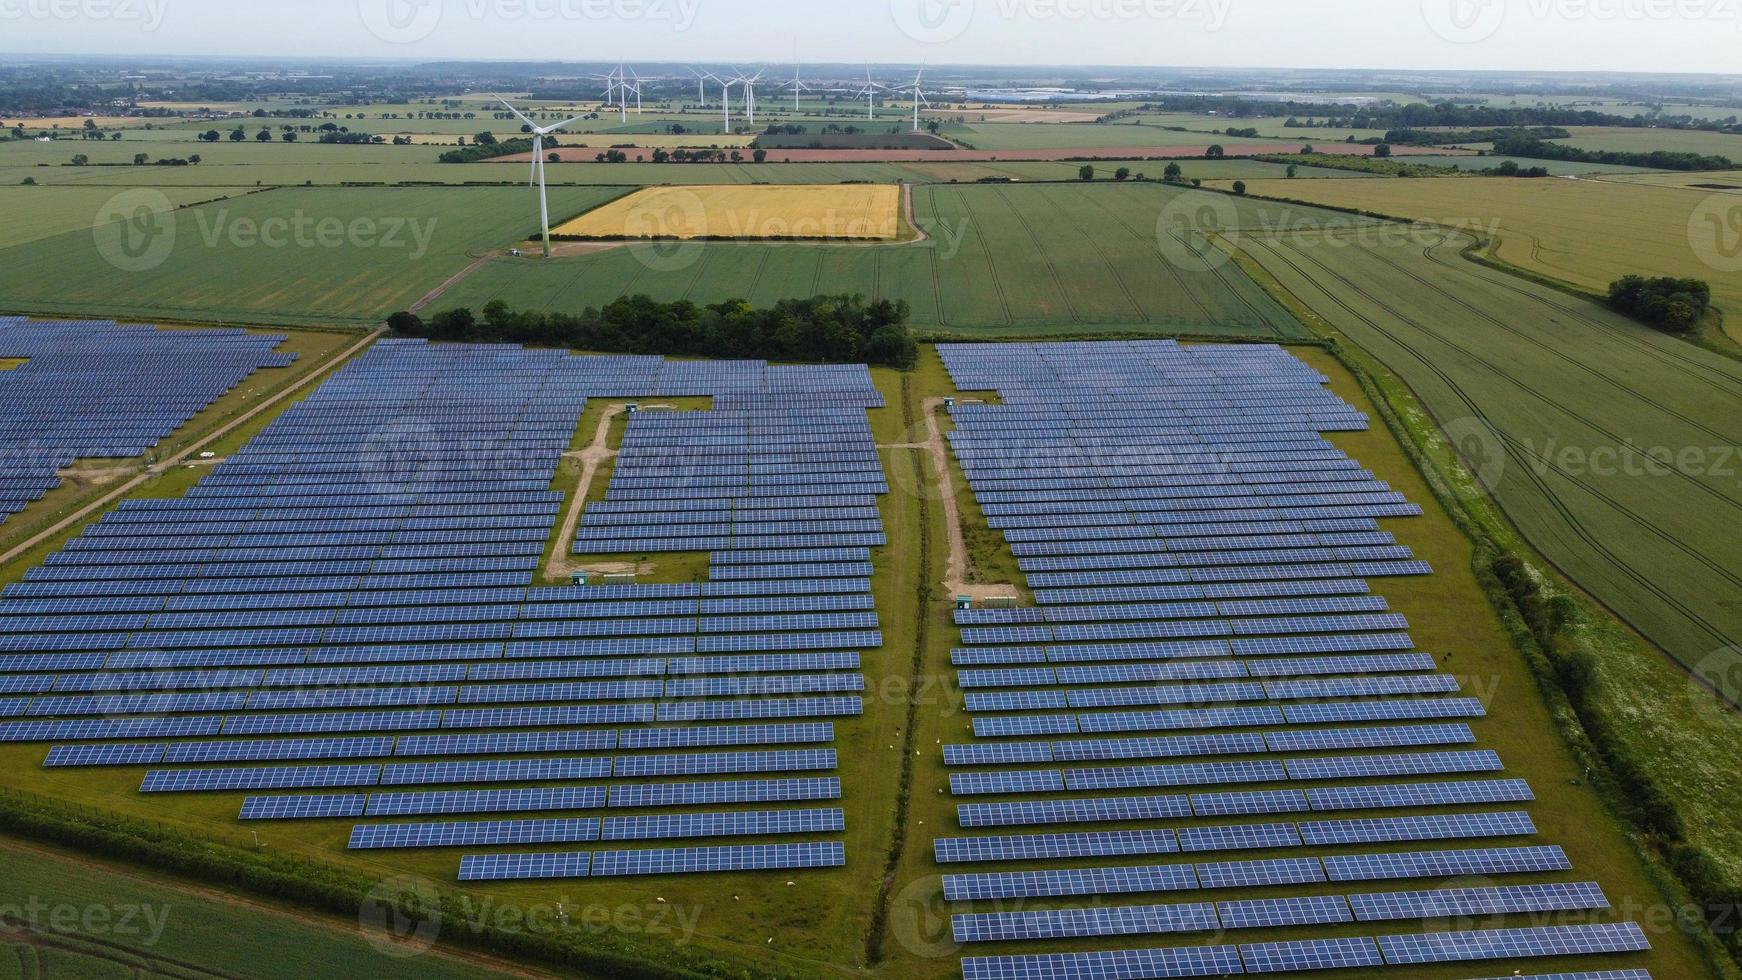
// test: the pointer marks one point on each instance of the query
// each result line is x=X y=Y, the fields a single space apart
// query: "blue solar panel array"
x=80 y=394
x=341 y=620
x=1200 y=555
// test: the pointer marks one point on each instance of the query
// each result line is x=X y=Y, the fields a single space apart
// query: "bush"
x=1669 y=304
x=1239 y=188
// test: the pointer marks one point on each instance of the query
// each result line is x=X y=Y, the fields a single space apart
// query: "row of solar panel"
x=1316 y=954
x=539 y=799
x=689 y=860
x=749 y=823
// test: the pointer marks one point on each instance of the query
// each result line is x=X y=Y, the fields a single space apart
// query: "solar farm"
x=1208 y=746
x=1202 y=563
x=76 y=393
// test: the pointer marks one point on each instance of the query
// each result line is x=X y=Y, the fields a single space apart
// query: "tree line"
x=1529 y=146
x=835 y=329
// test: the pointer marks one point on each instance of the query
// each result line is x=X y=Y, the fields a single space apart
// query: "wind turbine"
x=918 y=99
x=701 y=86
x=869 y=92
x=750 y=96
x=610 y=88
x=637 y=89
x=797 y=85
x=726 y=99
x=538 y=135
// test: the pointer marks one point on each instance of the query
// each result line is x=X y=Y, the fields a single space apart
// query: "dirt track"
x=561 y=565
x=956 y=572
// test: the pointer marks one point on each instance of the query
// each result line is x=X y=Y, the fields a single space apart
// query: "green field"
x=263 y=258
x=34 y=213
x=1268 y=126
x=1589 y=233
x=1028 y=260
x=1642 y=140
x=1046 y=136
x=117 y=922
x=1582 y=397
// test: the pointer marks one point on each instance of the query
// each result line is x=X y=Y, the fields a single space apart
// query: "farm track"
x=84 y=513
x=1645 y=582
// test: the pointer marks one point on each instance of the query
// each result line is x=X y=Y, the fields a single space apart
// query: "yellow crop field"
x=1586 y=232
x=867 y=212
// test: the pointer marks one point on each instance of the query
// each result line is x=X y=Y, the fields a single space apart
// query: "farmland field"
x=1642 y=140
x=1040 y=136
x=1586 y=232
x=292 y=255
x=1586 y=401
x=42 y=212
x=999 y=261
x=856 y=211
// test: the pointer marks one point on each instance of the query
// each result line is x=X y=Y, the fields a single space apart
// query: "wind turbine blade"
x=517 y=113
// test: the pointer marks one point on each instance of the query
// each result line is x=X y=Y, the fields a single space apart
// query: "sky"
x=1534 y=35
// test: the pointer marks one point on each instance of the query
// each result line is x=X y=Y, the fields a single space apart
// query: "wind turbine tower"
x=918 y=99
x=750 y=97
x=870 y=93
x=538 y=135
x=797 y=85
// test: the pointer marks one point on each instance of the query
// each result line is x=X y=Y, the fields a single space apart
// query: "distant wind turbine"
x=869 y=93
x=538 y=135
x=797 y=85
x=918 y=99
x=750 y=97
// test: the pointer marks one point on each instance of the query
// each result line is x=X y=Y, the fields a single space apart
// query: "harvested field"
x=845 y=211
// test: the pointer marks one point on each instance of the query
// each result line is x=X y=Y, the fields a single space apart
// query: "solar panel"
x=952 y=850
x=1310 y=954
x=1185 y=961
x=1494 y=944
x=698 y=860
x=1135 y=920
x=1442 y=827
x=1446 y=864
x=1266 y=913
x=408 y=835
x=1073 y=811
x=1250 y=874
x=1065 y=882
x=524 y=867
x=732 y=824
x=1498 y=900
x=302 y=807
x=430 y=803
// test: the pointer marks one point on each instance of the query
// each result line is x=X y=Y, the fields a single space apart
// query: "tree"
x=1123 y=173
x=1666 y=303
x=553 y=158
x=237 y=135
x=1292 y=170
x=289 y=136
x=264 y=136
x=140 y=159
x=115 y=137
x=1172 y=173
x=485 y=139
x=30 y=182
x=1087 y=172
x=662 y=156
x=760 y=156
x=195 y=159
x=90 y=124
x=1215 y=152
x=79 y=159
x=210 y=136
x=1382 y=150
x=1239 y=188
x=1307 y=150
